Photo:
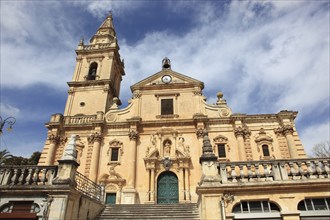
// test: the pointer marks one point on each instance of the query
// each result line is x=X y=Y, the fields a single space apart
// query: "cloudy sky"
x=265 y=56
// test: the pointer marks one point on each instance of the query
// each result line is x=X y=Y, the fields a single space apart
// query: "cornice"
x=90 y=82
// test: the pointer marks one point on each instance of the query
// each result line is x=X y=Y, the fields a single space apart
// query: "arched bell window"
x=92 y=71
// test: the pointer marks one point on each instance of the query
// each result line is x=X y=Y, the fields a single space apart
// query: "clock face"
x=166 y=79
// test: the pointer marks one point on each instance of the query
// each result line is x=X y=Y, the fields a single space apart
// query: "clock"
x=166 y=79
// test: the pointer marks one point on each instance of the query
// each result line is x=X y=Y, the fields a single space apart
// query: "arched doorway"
x=167 y=188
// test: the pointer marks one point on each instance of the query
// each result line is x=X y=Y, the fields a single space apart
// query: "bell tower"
x=98 y=73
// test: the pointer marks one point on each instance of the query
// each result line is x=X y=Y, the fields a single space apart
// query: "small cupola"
x=166 y=63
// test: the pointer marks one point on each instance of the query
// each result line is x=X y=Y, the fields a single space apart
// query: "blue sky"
x=265 y=56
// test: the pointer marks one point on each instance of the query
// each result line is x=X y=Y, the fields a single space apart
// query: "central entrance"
x=167 y=188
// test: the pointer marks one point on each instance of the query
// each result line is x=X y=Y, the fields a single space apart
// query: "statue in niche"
x=167 y=148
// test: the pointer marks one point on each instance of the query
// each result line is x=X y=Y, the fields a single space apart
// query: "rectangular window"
x=265 y=150
x=114 y=154
x=167 y=107
x=221 y=150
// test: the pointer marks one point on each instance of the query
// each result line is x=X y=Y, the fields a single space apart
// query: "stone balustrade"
x=27 y=175
x=274 y=170
x=12 y=176
x=97 y=46
x=79 y=120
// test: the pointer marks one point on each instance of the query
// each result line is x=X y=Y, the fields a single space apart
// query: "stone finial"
x=70 y=152
x=208 y=154
x=220 y=99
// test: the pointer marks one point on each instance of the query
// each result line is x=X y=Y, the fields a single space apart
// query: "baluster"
x=318 y=169
x=36 y=176
x=2 y=176
x=301 y=170
x=250 y=174
x=233 y=173
x=28 y=179
x=310 y=169
x=14 y=177
x=223 y=173
x=241 y=169
x=21 y=177
x=257 y=172
x=326 y=168
x=44 y=176
x=293 y=171
x=266 y=172
x=51 y=175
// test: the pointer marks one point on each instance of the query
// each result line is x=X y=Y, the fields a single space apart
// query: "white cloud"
x=100 y=7
x=315 y=134
x=265 y=56
x=7 y=110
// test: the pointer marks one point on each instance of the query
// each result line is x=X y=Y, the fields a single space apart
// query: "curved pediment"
x=220 y=139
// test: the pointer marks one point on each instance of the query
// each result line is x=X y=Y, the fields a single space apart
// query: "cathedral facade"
x=151 y=151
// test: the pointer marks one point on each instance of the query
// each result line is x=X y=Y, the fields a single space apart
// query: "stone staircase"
x=150 y=211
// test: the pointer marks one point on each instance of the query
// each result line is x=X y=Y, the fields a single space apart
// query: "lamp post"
x=10 y=121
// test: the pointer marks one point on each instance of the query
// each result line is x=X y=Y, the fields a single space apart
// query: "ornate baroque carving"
x=95 y=137
x=133 y=135
x=56 y=139
x=201 y=132
x=244 y=132
x=284 y=130
x=197 y=91
x=136 y=94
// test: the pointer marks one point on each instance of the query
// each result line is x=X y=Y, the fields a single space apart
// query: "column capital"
x=201 y=132
x=95 y=137
x=284 y=130
x=242 y=131
x=133 y=135
x=56 y=139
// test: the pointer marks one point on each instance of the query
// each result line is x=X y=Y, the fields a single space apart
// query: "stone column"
x=152 y=185
x=129 y=193
x=186 y=181
x=200 y=133
x=288 y=132
x=133 y=136
x=181 y=187
x=239 y=133
x=95 y=139
x=54 y=140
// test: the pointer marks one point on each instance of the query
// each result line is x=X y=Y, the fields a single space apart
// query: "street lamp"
x=10 y=121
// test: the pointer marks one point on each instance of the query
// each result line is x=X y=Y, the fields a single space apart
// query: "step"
x=150 y=211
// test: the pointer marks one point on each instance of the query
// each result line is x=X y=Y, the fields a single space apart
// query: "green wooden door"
x=110 y=198
x=167 y=188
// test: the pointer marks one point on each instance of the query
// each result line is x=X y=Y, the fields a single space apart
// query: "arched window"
x=255 y=206
x=314 y=208
x=256 y=210
x=92 y=71
x=265 y=150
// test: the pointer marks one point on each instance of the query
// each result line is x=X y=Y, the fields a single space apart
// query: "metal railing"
x=27 y=175
x=88 y=187
x=274 y=170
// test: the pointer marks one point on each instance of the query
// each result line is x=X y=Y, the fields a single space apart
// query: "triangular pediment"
x=166 y=78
